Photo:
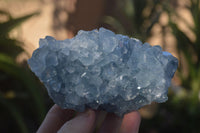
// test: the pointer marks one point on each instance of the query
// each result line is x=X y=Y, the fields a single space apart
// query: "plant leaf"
x=10 y=47
x=15 y=113
x=8 y=66
x=6 y=27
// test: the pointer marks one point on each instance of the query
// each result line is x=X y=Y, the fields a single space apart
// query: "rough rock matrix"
x=102 y=70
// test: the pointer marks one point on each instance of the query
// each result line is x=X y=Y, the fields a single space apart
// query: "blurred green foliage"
x=188 y=104
x=136 y=18
x=21 y=100
x=189 y=52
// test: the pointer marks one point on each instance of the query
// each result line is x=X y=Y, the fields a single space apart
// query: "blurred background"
x=172 y=24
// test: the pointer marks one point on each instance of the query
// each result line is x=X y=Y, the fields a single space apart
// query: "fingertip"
x=131 y=122
x=133 y=116
x=90 y=115
x=83 y=122
x=54 y=119
x=111 y=123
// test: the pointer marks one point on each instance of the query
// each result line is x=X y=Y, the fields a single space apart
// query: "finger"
x=111 y=124
x=83 y=123
x=54 y=119
x=100 y=117
x=130 y=123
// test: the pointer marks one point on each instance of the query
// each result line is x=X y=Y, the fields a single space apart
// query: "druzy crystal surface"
x=102 y=70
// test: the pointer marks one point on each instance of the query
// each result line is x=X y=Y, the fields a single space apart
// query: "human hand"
x=62 y=121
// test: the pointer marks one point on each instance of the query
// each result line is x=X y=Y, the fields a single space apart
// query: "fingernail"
x=85 y=114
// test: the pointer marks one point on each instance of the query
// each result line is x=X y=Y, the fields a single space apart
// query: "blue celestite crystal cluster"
x=102 y=70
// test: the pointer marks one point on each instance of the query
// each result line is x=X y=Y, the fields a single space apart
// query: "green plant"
x=189 y=69
x=189 y=51
x=134 y=17
x=20 y=94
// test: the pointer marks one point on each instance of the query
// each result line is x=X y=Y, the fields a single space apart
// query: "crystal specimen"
x=103 y=70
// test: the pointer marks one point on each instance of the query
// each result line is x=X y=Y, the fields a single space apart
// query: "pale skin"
x=63 y=121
